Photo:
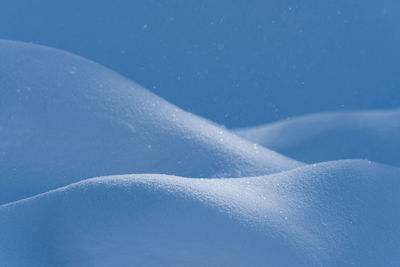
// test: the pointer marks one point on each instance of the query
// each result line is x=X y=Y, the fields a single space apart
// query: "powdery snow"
x=209 y=198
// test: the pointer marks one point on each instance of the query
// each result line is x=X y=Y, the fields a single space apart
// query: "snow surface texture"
x=64 y=119
x=328 y=136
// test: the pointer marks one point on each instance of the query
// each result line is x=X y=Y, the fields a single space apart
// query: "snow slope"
x=339 y=213
x=63 y=118
x=218 y=199
x=333 y=135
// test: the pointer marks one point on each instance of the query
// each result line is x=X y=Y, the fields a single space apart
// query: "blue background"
x=238 y=63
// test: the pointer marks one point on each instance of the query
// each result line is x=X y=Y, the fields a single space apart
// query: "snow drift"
x=219 y=200
x=370 y=134
x=64 y=118
x=330 y=214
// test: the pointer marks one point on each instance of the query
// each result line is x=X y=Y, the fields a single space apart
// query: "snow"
x=324 y=214
x=174 y=189
x=371 y=134
x=96 y=122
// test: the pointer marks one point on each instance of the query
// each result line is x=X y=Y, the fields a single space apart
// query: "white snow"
x=174 y=189
x=97 y=122
x=328 y=214
x=371 y=134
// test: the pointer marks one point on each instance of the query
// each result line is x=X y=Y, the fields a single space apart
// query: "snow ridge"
x=174 y=189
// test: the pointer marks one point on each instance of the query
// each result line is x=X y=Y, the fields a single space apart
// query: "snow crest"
x=174 y=189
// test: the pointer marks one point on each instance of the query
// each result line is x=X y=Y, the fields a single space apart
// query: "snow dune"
x=64 y=118
x=337 y=213
x=218 y=200
x=370 y=134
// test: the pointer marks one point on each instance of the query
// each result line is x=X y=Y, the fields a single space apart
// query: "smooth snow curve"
x=374 y=135
x=338 y=213
x=63 y=118
x=219 y=199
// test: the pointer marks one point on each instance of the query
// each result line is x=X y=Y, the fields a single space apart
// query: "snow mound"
x=338 y=213
x=64 y=118
x=334 y=135
x=220 y=200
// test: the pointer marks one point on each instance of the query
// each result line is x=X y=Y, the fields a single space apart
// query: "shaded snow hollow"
x=219 y=200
